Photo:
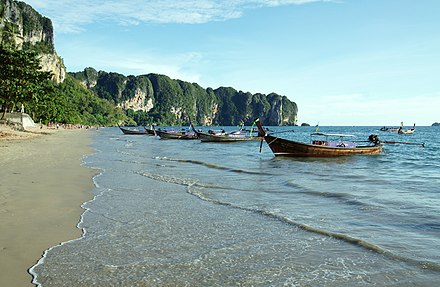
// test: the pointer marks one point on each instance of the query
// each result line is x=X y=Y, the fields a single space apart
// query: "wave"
x=343 y=237
x=340 y=196
x=187 y=182
x=213 y=166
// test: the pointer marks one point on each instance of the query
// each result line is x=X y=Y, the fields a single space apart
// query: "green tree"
x=21 y=79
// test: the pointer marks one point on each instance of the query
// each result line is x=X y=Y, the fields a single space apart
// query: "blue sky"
x=344 y=62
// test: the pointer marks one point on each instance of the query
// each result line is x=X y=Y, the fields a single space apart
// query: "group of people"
x=51 y=125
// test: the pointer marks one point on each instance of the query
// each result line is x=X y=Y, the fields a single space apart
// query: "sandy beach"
x=42 y=187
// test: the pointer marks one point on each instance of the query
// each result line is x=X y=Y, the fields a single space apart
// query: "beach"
x=42 y=187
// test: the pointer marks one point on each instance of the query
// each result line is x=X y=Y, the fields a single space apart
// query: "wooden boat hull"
x=205 y=137
x=406 y=132
x=283 y=147
x=390 y=130
x=150 y=132
x=176 y=135
x=133 y=132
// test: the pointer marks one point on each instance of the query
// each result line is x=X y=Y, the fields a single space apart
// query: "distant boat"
x=320 y=147
x=177 y=135
x=223 y=136
x=406 y=132
x=391 y=130
x=128 y=131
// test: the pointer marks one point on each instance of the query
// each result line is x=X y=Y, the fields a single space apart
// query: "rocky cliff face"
x=173 y=101
x=22 y=27
x=54 y=64
x=139 y=102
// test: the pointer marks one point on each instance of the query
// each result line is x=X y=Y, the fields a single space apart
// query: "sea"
x=187 y=213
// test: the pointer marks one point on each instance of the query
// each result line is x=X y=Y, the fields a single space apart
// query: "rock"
x=21 y=27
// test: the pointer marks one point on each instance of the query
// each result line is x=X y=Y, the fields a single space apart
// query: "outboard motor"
x=374 y=139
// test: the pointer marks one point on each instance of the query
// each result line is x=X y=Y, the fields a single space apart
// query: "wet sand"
x=42 y=187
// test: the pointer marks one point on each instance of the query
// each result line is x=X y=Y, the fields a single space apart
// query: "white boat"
x=408 y=131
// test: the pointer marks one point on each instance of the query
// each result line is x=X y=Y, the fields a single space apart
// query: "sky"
x=343 y=62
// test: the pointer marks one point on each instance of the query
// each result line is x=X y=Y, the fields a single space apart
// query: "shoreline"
x=42 y=187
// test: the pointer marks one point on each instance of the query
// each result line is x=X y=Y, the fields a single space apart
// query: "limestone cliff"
x=172 y=101
x=22 y=27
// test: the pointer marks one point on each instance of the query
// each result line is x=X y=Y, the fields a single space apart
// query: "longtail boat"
x=400 y=130
x=391 y=130
x=176 y=135
x=320 y=148
x=127 y=131
x=223 y=136
x=406 y=132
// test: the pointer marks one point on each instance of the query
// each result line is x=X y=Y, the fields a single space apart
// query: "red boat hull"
x=283 y=147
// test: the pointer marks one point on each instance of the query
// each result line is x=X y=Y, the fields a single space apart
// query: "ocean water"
x=186 y=213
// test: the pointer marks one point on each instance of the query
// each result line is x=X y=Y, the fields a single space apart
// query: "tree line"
x=22 y=82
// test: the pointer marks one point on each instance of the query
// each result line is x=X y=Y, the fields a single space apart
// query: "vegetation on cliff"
x=23 y=27
x=75 y=104
x=158 y=99
x=23 y=82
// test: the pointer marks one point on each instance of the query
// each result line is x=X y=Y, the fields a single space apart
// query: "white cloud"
x=72 y=15
x=137 y=62
x=172 y=66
